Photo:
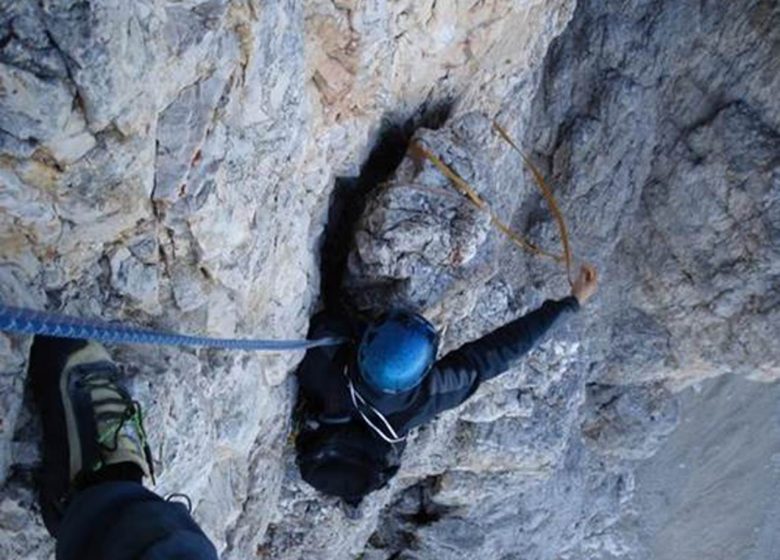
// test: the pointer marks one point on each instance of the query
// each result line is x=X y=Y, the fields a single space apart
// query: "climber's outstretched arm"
x=457 y=375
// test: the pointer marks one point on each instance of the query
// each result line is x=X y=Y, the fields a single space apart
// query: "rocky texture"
x=656 y=123
x=716 y=480
x=171 y=163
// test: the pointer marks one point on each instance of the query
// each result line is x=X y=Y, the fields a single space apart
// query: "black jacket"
x=452 y=380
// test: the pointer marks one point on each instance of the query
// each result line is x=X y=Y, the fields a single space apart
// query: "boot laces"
x=114 y=410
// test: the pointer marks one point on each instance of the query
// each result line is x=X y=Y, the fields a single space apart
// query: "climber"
x=359 y=401
x=95 y=456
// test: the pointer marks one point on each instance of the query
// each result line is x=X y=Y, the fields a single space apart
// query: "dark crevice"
x=400 y=522
x=6 y=39
x=351 y=194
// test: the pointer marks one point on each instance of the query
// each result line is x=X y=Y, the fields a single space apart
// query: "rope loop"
x=468 y=191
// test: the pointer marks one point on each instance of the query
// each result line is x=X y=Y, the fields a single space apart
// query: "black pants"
x=125 y=521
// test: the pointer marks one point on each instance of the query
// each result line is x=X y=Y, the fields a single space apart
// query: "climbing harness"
x=28 y=321
x=472 y=195
x=390 y=436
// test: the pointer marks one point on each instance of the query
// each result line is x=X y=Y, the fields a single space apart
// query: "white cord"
x=356 y=396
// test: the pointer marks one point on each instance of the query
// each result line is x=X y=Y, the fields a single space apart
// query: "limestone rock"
x=136 y=280
x=628 y=422
x=171 y=163
x=22 y=116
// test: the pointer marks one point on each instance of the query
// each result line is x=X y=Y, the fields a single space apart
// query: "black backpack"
x=347 y=459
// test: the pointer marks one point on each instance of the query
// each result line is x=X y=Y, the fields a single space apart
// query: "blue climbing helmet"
x=397 y=351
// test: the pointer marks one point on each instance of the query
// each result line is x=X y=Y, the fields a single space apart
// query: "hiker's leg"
x=122 y=520
x=95 y=455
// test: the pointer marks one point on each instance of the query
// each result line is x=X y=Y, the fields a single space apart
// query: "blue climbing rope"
x=28 y=321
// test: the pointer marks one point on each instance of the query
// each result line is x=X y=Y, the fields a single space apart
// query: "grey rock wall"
x=657 y=124
x=170 y=163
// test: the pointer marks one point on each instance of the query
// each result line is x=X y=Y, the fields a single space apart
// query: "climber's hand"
x=585 y=285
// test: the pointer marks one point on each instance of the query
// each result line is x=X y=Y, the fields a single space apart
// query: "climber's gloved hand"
x=586 y=284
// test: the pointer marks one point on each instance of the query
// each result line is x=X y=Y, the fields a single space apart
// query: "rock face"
x=171 y=163
x=726 y=472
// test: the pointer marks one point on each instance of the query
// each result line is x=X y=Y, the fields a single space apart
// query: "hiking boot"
x=91 y=425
